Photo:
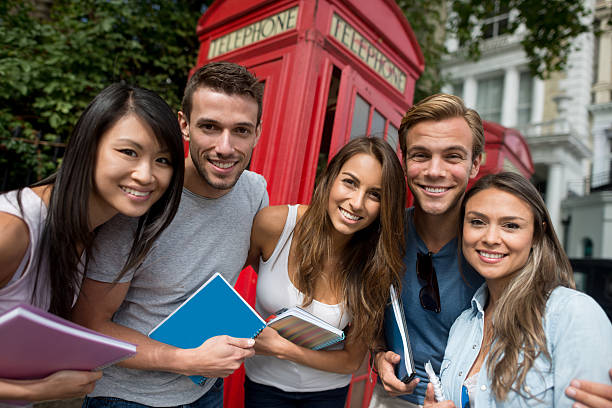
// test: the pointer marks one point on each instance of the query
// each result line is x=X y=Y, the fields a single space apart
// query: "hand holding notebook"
x=304 y=329
x=396 y=335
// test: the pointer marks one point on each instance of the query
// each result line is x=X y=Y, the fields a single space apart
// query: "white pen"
x=433 y=378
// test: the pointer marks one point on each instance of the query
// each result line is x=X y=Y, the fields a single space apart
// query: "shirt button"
x=474 y=346
x=460 y=373
x=483 y=387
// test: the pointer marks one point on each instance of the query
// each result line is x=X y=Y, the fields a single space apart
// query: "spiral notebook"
x=213 y=310
x=35 y=343
x=396 y=335
x=304 y=329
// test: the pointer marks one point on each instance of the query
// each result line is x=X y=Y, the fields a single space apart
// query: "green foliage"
x=53 y=62
x=550 y=25
x=427 y=19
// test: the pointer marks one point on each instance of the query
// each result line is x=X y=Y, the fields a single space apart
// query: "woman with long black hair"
x=125 y=156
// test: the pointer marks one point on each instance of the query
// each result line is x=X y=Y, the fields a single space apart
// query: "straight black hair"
x=67 y=233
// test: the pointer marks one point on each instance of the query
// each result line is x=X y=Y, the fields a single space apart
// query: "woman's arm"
x=59 y=385
x=267 y=228
x=345 y=361
x=14 y=241
x=580 y=343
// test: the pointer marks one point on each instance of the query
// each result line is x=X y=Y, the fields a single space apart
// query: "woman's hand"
x=60 y=385
x=430 y=400
x=270 y=343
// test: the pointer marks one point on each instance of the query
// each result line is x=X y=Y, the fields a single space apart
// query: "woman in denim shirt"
x=528 y=333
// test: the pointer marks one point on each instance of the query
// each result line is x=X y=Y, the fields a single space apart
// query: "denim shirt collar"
x=479 y=300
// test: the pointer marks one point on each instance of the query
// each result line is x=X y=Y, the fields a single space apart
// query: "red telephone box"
x=332 y=69
x=505 y=149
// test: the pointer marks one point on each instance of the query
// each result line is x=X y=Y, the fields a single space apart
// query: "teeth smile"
x=490 y=255
x=435 y=189
x=222 y=165
x=135 y=192
x=349 y=215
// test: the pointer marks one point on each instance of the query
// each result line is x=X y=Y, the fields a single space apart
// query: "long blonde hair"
x=372 y=260
x=517 y=318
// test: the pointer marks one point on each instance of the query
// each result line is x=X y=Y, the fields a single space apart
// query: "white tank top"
x=276 y=291
x=21 y=287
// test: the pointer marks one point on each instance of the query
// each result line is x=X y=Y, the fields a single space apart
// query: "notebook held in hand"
x=396 y=335
x=305 y=329
x=214 y=309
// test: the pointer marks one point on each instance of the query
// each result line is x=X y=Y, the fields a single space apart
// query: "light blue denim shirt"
x=578 y=338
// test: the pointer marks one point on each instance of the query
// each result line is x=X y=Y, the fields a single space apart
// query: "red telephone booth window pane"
x=392 y=137
x=378 y=125
x=361 y=114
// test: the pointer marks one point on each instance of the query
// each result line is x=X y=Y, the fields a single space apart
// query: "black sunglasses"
x=429 y=294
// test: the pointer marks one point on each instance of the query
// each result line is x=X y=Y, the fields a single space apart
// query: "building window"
x=489 y=98
x=523 y=116
x=497 y=23
x=587 y=248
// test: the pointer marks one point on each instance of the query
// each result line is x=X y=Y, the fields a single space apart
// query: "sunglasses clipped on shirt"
x=429 y=294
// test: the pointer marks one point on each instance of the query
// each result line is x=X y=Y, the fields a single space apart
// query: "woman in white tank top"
x=125 y=156
x=335 y=258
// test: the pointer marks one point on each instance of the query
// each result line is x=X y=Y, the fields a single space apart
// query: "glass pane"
x=378 y=125
x=361 y=115
x=489 y=98
x=392 y=138
x=525 y=96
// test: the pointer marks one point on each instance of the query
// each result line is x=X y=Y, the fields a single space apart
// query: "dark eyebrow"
x=507 y=218
x=457 y=147
x=351 y=175
x=130 y=141
x=137 y=145
x=354 y=177
x=204 y=120
x=450 y=148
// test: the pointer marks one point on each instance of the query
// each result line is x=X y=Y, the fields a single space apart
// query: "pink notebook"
x=35 y=343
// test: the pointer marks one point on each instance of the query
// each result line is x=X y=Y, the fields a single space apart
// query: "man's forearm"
x=150 y=354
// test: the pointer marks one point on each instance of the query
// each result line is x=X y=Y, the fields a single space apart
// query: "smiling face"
x=132 y=171
x=222 y=133
x=439 y=164
x=354 y=197
x=498 y=232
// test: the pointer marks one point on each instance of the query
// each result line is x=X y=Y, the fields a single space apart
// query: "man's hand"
x=384 y=362
x=430 y=400
x=218 y=356
x=590 y=394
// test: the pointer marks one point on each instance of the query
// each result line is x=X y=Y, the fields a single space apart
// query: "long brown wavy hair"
x=372 y=260
x=517 y=318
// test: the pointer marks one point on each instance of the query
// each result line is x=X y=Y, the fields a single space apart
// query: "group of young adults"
x=124 y=233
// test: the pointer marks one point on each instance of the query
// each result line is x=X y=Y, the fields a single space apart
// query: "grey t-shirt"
x=206 y=236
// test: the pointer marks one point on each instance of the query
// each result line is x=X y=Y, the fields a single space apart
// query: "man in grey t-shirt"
x=220 y=118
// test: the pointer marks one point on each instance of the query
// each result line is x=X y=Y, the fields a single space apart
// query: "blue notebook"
x=396 y=335
x=214 y=309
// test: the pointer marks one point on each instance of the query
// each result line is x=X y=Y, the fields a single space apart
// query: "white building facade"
x=566 y=120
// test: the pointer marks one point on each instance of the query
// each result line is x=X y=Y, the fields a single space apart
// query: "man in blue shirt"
x=442 y=143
